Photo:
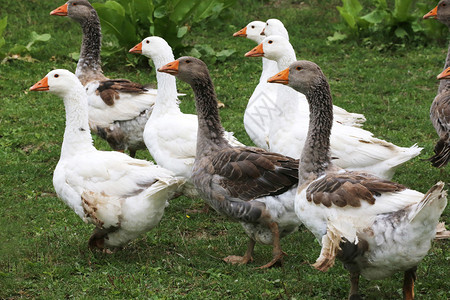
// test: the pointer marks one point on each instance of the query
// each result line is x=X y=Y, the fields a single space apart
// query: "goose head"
x=441 y=12
x=275 y=27
x=152 y=47
x=273 y=47
x=79 y=10
x=301 y=75
x=60 y=82
x=252 y=31
x=187 y=68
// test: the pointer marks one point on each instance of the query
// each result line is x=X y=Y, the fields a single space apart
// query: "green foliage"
x=396 y=24
x=131 y=21
x=18 y=49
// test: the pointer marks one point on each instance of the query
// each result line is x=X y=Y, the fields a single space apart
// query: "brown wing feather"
x=109 y=89
x=248 y=174
x=349 y=189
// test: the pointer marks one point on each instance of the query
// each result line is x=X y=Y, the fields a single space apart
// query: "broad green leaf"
x=352 y=7
x=160 y=12
x=195 y=53
x=182 y=31
x=207 y=8
x=116 y=7
x=337 y=36
x=17 y=49
x=183 y=10
x=348 y=18
x=401 y=9
x=224 y=54
x=2 y=42
x=3 y=23
x=401 y=33
x=375 y=17
x=40 y=37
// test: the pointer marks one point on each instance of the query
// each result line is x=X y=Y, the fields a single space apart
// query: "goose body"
x=118 y=108
x=170 y=135
x=246 y=184
x=440 y=108
x=122 y=196
x=374 y=226
x=353 y=148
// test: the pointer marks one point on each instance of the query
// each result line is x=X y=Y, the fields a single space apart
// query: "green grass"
x=43 y=244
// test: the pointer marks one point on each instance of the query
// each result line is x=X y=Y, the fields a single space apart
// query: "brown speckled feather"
x=250 y=173
x=349 y=189
x=109 y=89
x=440 y=116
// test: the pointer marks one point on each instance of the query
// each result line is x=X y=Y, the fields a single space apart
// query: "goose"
x=276 y=27
x=374 y=226
x=261 y=108
x=440 y=116
x=170 y=135
x=122 y=196
x=440 y=108
x=354 y=148
x=246 y=184
x=118 y=108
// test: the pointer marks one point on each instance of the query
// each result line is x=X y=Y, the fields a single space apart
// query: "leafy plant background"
x=125 y=23
x=396 y=23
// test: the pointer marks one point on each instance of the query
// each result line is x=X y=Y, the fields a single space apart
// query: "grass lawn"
x=43 y=244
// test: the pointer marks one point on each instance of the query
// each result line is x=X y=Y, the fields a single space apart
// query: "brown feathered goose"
x=118 y=108
x=248 y=185
x=440 y=108
x=374 y=226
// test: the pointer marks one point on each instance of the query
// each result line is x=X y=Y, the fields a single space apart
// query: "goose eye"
x=298 y=68
x=74 y=4
x=188 y=61
x=148 y=42
x=253 y=26
x=443 y=4
x=270 y=42
x=56 y=75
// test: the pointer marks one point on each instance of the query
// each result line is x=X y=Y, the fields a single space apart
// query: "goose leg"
x=277 y=253
x=354 y=286
x=242 y=260
x=408 y=283
x=132 y=153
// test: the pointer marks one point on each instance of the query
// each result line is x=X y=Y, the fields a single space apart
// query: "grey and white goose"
x=118 y=108
x=440 y=108
x=375 y=227
x=246 y=184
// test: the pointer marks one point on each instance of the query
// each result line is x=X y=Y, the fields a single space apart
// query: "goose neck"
x=210 y=130
x=90 y=61
x=315 y=157
x=77 y=136
x=166 y=98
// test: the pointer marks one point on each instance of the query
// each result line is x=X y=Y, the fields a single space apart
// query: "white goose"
x=124 y=197
x=170 y=135
x=118 y=108
x=276 y=27
x=376 y=227
x=261 y=108
x=354 y=148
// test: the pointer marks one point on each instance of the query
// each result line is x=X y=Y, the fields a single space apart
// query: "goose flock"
x=314 y=164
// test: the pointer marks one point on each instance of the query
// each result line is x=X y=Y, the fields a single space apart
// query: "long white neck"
x=269 y=68
x=77 y=136
x=287 y=98
x=166 y=98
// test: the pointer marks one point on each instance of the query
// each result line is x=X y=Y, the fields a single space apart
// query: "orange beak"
x=431 y=14
x=136 y=49
x=445 y=74
x=258 y=51
x=41 y=85
x=281 y=77
x=60 y=11
x=171 y=68
x=242 y=32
